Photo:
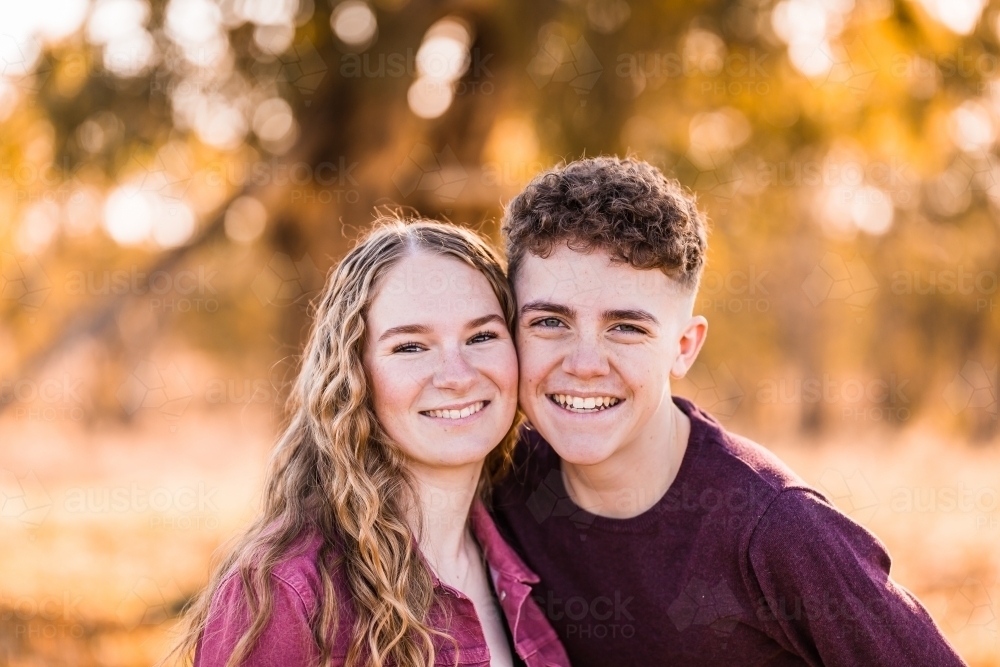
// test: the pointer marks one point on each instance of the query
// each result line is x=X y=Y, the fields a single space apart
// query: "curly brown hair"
x=336 y=472
x=626 y=208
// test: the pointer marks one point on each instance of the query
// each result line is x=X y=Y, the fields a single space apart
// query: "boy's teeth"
x=579 y=403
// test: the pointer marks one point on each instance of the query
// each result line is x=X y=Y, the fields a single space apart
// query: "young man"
x=661 y=538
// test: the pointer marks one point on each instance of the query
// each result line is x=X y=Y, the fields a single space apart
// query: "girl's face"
x=441 y=362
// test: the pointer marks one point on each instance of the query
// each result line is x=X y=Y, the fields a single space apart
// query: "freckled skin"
x=604 y=329
x=462 y=355
x=448 y=365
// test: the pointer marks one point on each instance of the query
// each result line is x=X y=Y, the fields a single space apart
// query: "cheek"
x=533 y=357
x=500 y=365
x=393 y=392
x=644 y=376
x=508 y=372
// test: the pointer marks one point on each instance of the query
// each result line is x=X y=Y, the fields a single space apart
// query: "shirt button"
x=503 y=595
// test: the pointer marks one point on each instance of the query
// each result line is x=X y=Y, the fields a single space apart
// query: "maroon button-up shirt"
x=287 y=640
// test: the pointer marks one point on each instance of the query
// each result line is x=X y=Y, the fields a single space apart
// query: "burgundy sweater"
x=740 y=563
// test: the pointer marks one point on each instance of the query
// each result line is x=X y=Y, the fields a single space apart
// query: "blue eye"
x=483 y=336
x=627 y=328
x=548 y=322
x=407 y=347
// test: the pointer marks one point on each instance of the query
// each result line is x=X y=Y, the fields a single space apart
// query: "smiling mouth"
x=580 y=404
x=461 y=413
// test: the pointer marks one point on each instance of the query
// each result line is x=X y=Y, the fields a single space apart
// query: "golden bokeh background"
x=177 y=177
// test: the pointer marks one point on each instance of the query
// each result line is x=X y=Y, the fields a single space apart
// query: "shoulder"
x=789 y=510
x=295 y=579
x=735 y=458
x=295 y=586
x=804 y=517
x=299 y=571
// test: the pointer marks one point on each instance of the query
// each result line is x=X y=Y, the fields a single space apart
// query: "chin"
x=466 y=451
x=583 y=451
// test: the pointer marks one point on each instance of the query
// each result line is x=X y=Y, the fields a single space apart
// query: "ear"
x=692 y=338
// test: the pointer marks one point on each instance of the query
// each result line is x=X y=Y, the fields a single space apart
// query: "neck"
x=638 y=474
x=440 y=516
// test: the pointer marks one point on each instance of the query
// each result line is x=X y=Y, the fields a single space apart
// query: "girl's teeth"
x=457 y=414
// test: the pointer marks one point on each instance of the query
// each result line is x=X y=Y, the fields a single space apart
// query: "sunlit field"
x=105 y=557
x=178 y=176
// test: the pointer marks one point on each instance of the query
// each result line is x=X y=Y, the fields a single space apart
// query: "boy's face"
x=597 y=344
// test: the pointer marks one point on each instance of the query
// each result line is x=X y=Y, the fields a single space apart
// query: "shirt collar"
x=500 y=555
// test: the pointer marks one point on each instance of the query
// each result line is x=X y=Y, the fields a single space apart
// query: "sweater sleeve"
x=825 y=582
x=286 y=641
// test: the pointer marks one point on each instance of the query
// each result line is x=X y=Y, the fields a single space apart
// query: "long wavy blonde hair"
x=335 y=471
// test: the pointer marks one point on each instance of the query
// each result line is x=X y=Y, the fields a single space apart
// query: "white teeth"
x=588 y=404
x=457 y=414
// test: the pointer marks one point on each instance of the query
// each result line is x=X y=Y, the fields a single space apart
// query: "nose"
x=586 y=360
x=455 y=373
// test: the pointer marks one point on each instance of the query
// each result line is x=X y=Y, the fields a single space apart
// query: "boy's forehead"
x=567 y=274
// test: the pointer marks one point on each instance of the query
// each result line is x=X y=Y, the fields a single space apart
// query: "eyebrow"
x=404 y=329
x=634 y=315
x=422 y=329
x=485 y=319
x=547 y=307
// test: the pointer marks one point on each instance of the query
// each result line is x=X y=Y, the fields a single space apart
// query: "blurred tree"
x=186 y=171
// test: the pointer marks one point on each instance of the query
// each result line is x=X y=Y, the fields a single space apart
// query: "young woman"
x=373 y=547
